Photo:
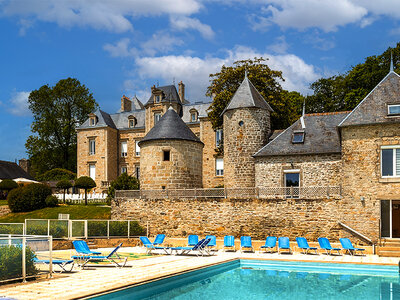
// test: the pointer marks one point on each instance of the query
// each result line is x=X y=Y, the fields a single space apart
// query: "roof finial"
x=173 y=81
x=304 y=108
x=245 y=72
x=391 y=61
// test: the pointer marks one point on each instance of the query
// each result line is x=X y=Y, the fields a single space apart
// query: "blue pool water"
x=255 y=279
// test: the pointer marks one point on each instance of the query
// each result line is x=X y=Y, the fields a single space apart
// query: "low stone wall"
x=4 y=209
x=255 y=217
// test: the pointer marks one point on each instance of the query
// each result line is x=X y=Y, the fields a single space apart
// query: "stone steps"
x=389 y=248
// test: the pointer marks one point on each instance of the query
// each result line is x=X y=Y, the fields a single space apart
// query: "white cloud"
x=183 y=23
x=120 y=49
x=19 y=105
x=160 y=42
x=99 y=14
x=280 y=46
x=194 y=71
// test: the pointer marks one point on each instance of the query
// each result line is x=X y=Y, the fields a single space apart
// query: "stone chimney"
x=126 y=104
x=181 y=87
x=25 y=165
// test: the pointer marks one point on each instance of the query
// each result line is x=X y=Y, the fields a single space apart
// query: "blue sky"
x=125 y=46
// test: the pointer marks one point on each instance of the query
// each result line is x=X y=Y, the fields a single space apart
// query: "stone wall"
x=131 y=161
x=255 y=217
x=4 y=210
x=183 y=170
x=245 y=132
x=315 y=170
x=361 y=148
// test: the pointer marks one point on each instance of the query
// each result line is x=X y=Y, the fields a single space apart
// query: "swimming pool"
x=260 y=279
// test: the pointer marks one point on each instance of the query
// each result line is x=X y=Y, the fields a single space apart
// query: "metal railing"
x=314 y=192
x=73 y=229
x=21 y=255
x=355 y=232
x=80 y=198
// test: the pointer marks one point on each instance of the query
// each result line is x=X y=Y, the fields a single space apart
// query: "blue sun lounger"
x=150 y=246
x=270 y=244
x=326 y=245
x=303 y=245
x=56 y=262
x=82 y=247
x=159 y=239
x=213 y=242
x=84 y=259
x=284 y=244
x=229 y=242
x=193 y=239
x=348 y=247
x=200 y=248
x=245 y=244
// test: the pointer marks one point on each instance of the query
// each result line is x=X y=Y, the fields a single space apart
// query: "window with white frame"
x=92 y=146
x=124 y=169
x=218 y=137
x=219 y=167
x=124 y=149
x=92 y=171
x=137 y=151
x=390 y=161
x=157 y=117
x=394 y=109
x=132 y=122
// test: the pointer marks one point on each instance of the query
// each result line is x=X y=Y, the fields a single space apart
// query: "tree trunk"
x=85 y=196
x=64 y=197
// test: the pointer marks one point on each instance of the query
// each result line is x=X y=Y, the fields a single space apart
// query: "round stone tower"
x=171 y=155
x=247 y=127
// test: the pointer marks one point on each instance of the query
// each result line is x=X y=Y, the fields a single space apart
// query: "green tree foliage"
x=7 y=185
x=56 y=112
x=344 y=91
x=223 y=85
x=56 y=174
x=64 y=184
x=28 y=198
x=86 y=183
x=123 y=182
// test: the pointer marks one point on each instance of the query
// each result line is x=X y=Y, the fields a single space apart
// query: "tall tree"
x=223 y=85
x=56 y=112
x=345 y=91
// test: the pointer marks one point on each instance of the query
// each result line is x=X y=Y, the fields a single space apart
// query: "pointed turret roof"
x=373 y=108
x=170 y=127
x=136 y=103
x=247 y=96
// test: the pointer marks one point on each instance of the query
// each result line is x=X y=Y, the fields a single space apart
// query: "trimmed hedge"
x=51 y=201
x=56 y=174
x=28 y=198
x=11 y=262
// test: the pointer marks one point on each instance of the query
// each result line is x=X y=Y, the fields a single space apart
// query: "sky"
x=123 y=47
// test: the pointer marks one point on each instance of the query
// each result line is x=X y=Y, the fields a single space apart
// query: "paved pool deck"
x=93 y=280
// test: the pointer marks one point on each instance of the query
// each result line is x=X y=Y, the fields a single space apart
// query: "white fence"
x=80 y=198
x=21 y=255
x=313 y=192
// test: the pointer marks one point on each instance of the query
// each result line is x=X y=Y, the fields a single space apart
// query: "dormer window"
x=194 y=115
x=92 y=121
x=132 y=121
x=298 y=137
x=394 y=109
x=157 y=98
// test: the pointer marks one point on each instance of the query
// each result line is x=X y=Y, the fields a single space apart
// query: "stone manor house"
x=325 y=169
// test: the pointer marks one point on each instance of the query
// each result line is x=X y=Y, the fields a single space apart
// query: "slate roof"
x=199 y=106
x=170 y=95
x=10 y=170
x=103 y=119
x=121 y=119
x=373 y=108
x=136 y=104
x=321 y=136
x=170 y=127
x=247 y=96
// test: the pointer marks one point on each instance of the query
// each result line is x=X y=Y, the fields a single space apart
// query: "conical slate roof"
x=247 y=96
x=170 y=127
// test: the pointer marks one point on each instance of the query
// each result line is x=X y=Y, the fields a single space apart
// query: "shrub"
x=51 y=201
x=28 y=198
x=123 y=182
x=57 y=174
x=86 y=183
x=11 y=262
x=7 y=185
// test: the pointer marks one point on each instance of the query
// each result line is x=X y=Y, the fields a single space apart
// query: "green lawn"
x=81 y=212
x=3 y=202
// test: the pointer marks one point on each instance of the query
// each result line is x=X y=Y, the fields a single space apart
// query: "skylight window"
x=394 y=109
x=298 y=137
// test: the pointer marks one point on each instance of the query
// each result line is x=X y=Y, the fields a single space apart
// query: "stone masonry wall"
x=241 y=142
x=255 y=217
x=361 y=147
x=184 y=170
x=131 y=161
x=315 y=170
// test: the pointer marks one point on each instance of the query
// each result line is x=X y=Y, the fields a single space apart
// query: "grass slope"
x=75 y=211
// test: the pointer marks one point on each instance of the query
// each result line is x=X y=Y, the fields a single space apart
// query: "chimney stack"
x=181 y=87
x=126 y=104
x=25 y=164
